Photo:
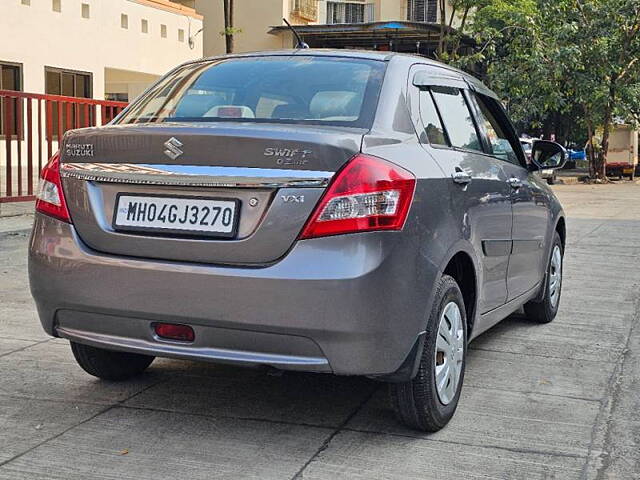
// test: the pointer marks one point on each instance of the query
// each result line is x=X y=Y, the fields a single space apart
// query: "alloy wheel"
x=449 y=353
x=555 y=276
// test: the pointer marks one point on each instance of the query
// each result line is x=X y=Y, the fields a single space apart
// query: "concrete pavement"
x=539 y=401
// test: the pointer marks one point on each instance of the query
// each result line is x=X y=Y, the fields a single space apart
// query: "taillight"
x=50 y=197
x=367 y=194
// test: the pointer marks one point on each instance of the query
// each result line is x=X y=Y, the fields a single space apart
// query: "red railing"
x=31 y=126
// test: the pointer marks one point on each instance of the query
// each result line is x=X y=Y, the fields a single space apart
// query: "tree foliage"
x=568 y=66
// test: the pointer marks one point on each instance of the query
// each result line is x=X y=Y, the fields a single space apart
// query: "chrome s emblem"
x=292 y=198
x=173 y=148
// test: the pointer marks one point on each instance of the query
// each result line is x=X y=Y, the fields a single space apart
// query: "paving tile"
x=8 y=345
x=517 y=334
x=534 y=374
x=140 y=444
x=542 y=425
x=315 y=399
x=26 y=423
x=49 y=371
x=620 y=423
x=19 y=321
x=355 y=455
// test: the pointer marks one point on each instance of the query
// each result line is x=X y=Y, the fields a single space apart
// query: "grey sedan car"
x=353 y=213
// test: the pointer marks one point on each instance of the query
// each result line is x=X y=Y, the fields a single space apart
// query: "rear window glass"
x=283 y=89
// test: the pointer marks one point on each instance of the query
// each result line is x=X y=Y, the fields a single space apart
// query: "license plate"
x=627 y=171
x=212 y=217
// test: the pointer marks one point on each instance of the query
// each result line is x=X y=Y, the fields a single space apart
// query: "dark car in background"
x=341 y=212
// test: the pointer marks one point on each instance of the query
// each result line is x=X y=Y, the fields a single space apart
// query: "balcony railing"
x=31 y=128
x=307 y=9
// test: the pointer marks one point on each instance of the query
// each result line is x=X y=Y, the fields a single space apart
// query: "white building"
x=98 y=49
x=92 y=49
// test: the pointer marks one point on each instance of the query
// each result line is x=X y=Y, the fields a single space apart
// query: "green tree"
x=568 y=64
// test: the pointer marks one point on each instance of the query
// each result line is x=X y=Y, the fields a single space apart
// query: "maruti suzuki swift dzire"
x=355 y=213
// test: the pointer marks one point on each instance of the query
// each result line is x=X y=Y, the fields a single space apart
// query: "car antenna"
x=300 y=43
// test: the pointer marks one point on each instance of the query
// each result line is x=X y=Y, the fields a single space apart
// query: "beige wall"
x=124 y=81
x=390 y=10
x=36 y=36
x=253 y=17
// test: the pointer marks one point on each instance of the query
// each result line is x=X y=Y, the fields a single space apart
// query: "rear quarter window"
x=457 y=118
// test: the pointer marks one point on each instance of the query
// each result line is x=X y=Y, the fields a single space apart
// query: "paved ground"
x=555 y=401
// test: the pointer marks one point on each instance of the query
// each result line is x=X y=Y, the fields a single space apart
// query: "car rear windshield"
x=281 y=89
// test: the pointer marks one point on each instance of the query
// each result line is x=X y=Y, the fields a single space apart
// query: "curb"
x=567 y=180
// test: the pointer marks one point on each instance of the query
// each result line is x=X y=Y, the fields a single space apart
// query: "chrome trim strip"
x=175 y=350
x=194 y=175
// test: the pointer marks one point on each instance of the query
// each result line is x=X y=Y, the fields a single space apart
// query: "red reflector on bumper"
x=172 y=331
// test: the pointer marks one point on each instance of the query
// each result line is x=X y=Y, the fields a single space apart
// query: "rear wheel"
x=108 y=364
x=428 y=401
x=545 y=311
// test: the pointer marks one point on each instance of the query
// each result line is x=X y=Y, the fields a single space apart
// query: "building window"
x=180 y=35
x=117 y=97
x=144 y=26
x=85 y=10
x=56 y=5
x=163 y=31
x=10 y=79
x=124 y=20
x=70 y=84
x=346 y=12
x=422 y=11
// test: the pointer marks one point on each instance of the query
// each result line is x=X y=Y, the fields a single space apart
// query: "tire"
x=551 y=180
x=418 y=403
x=545 y=310
x=108 y=364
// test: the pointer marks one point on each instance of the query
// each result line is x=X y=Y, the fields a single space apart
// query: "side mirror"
x=547 y=155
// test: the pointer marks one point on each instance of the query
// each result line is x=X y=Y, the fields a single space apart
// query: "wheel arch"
x=460 y=264
x=561 y=228
x=461 y=267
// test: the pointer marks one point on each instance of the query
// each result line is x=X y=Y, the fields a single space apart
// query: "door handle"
x=461 y=178
x=514 y=183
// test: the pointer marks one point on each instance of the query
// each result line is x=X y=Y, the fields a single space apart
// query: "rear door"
x=530 y=203
x=479 y=190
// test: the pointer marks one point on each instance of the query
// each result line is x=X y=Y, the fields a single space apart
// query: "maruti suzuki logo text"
x=173 y=148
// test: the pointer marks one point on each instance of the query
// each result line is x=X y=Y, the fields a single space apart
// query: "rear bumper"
x=352 y=304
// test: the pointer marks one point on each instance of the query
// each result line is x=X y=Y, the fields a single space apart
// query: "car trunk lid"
x=275 y=174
